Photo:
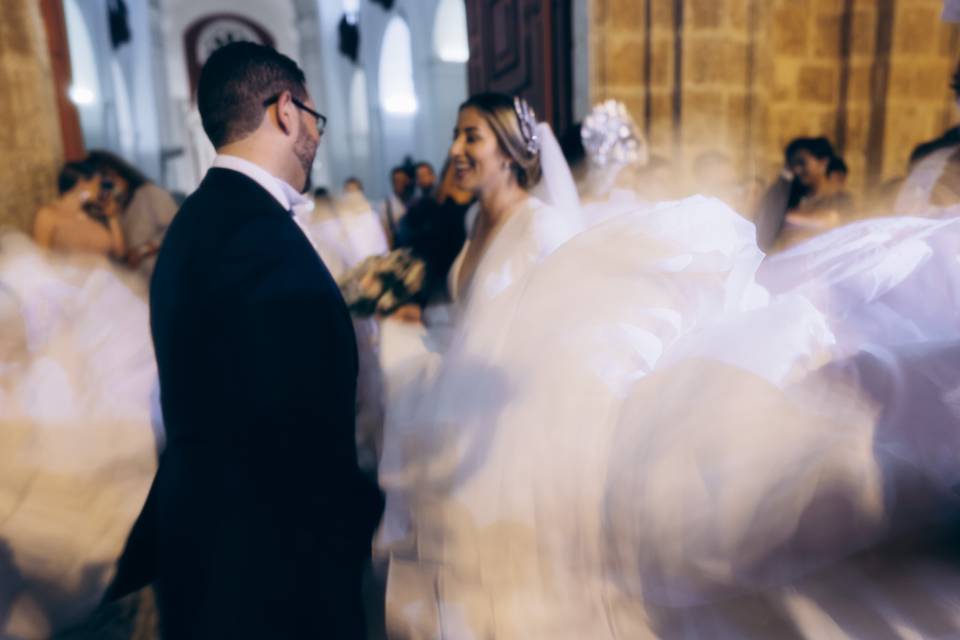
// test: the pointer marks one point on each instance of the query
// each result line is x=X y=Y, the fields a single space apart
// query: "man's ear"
x=286 y=112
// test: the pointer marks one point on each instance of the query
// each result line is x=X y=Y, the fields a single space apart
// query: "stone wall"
x=30 y=146
x=871 y=75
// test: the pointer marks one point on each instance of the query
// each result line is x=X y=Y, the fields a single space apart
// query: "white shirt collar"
x=287 y=196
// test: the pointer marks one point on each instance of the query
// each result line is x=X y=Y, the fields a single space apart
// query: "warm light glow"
x=397 y=94
x=82 y=95
x=450 y=32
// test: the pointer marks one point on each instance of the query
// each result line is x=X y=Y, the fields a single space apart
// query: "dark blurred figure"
x=394 y=206
x=426 y=179
x=147 y=210
x=571 y=143
x=434 y=230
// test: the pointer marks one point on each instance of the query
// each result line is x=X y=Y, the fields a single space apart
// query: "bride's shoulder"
x=550 y=227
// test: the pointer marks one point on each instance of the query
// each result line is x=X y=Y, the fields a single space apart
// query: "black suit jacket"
x=258 y=521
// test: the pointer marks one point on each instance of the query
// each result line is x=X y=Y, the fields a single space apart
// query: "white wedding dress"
x=79 y=430
x=635 y=433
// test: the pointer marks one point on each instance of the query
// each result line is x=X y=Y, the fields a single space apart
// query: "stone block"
x=817 y=83
x=826 y=35
x=915 y=29
x=858 y=127
x=785 y=79
x=949 y=40
x=636 y=105
x=738 y=14
x=704 y=112
x=931 y=82
x=863 y=33
x=661 y=14
x=707 y=14
x=626 y=15
x=858 y=84
x=624 y=61
x=30 y=147
x=716 y=60
x=706 y=59
x=790 y=30
x=598 y=13
x=661 y=63
x=739 y=113
x=900 y=81
x=826 y=119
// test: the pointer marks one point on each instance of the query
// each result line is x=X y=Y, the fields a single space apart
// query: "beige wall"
x=756 y=73
x=30 y=145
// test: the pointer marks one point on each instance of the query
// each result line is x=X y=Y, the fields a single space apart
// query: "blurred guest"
x=394 y=206
x=814 y=162
x=322 y=204
x=426 y=179
x=80 y=220
x=434 y=229
x=825 y=202
x=360 y=228
x=147 y=209
x=782 y=195
x=805 y=200
x=352 y=185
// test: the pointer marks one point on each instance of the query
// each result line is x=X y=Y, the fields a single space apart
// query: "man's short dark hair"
x=235 y=82
x=424 y=163
x=399 y=169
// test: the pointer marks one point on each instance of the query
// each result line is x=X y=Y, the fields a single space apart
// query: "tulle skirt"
x=647 y=438
x=79 y=430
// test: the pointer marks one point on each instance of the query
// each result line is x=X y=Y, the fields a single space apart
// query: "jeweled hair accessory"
x=610 y=136
x=528 y=124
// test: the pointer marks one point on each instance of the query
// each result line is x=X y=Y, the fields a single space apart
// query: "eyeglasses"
x=321 y=119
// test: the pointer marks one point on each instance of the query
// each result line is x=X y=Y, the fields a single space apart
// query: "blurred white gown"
x=78 y=430
x=629 y=436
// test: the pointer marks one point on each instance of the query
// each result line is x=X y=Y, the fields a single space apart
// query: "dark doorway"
x=524 y=47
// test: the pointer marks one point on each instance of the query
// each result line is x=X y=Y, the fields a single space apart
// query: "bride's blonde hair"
x=500 y=113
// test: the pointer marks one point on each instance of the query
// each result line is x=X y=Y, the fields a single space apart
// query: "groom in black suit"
x=259 y=522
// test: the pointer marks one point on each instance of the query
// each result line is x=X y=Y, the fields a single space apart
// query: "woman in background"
x=68 y=224
x=147 y=209
x=808 y=197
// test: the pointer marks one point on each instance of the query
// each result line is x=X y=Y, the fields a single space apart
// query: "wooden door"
x=524 y=47
x=56 y=27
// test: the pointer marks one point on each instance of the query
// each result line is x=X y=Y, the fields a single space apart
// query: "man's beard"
x=305 y=149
